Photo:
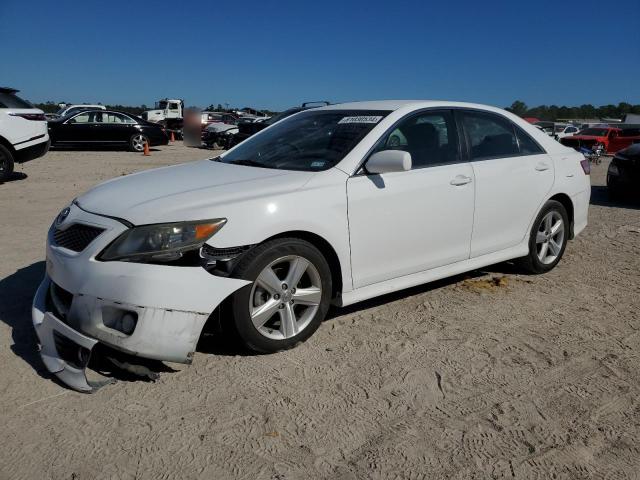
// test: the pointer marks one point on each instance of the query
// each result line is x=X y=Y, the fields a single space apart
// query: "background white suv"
x=23 y=132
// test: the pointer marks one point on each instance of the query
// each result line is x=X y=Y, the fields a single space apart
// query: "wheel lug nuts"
x=293 y=290
x=284 y=286
x=291 y=302
x=276 y=296
x=281 y=306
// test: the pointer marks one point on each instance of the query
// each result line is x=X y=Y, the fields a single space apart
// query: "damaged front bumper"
x=150 y=311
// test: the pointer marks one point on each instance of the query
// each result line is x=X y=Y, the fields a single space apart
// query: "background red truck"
x=613 y=139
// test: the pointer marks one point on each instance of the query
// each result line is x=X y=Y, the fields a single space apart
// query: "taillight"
x=30 y=116
x=586 y=166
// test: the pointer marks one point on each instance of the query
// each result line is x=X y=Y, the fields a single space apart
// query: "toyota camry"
x=332 y=205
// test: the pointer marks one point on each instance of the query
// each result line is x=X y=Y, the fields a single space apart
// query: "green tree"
x=519 y=108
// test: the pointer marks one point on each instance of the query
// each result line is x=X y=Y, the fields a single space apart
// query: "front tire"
x=288 y=298
x=6 y=164
x=548 y=238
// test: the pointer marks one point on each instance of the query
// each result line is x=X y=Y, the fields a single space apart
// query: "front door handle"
x=541 y=167
x=460 y=180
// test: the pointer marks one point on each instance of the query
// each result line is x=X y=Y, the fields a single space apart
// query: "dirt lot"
x=492 y=375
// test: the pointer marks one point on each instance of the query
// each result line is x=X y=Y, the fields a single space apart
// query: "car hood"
x=190 y=191
x=219 y=127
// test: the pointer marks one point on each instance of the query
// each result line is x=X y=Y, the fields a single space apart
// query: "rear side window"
x=493 y=136
x=11 y=100
x=490 y=136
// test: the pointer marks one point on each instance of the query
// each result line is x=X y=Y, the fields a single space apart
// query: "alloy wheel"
x=285 y=297
x=550 y=237
x=138 y=142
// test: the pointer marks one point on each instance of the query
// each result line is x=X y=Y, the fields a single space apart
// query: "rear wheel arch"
x=567 y=203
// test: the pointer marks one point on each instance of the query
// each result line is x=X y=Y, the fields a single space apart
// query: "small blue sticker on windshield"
x=317 y=164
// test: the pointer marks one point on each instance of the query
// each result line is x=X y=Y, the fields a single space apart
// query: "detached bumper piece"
x=64 y=352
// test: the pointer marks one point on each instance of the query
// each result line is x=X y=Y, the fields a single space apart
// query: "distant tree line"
x=554 y=112
x=53 y=107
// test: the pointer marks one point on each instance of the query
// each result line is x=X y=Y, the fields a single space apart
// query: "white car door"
x=513 y=176
x=406 y=222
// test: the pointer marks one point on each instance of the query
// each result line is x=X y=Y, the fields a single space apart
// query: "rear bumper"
x=33 y=151
x=580 y=210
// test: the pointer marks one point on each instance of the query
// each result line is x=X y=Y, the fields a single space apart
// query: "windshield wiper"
x=249 y=163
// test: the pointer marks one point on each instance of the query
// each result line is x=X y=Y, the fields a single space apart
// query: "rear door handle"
x=541 y=167
x=460 y=180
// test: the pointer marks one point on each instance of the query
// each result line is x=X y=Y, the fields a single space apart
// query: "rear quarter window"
x=11 y=100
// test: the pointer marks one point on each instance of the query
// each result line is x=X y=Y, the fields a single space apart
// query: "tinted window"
x=528 y=146
x=112 y=117
x=571 y=130
x=490 y=136
x=87 y=117
x=11 y=100
x=595 y=132
x=429 y=137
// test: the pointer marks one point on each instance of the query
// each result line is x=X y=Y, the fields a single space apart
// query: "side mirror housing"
x=388 y=161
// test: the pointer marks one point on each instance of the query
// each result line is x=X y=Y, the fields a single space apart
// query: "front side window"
x=490 y=136
x=571 y=130
x=173 y=106
x=429 y=137
x=309 y=141
x=87 y=117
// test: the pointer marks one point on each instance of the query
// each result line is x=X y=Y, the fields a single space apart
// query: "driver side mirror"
x=388 y=161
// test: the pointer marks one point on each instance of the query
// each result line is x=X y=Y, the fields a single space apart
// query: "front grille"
x=76 y=237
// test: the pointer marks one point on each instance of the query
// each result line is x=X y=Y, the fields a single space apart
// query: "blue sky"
x=275 y=54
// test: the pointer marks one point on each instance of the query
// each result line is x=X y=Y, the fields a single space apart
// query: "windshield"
x=595 y=132
x=310 y=141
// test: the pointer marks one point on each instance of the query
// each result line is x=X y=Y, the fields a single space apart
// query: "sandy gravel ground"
x=493 y=375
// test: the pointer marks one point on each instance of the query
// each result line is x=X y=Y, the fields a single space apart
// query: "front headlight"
x=162 y=242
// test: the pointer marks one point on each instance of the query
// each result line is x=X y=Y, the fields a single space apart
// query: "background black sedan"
x=623 y=176
x=105 y=128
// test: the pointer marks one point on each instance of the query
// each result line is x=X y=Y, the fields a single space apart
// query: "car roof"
x=405 y=104
x=8 y=90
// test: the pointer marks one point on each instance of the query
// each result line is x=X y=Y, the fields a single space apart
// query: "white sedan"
x=332 y=205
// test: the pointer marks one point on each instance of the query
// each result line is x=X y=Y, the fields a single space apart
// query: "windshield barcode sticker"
x=362 y=119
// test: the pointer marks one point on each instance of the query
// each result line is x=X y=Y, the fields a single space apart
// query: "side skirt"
x=419 y=278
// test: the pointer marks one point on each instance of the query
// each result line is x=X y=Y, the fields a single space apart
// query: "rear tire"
x=288 y=298
x=548 y=239
x=6 y=164
x=137 y=141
